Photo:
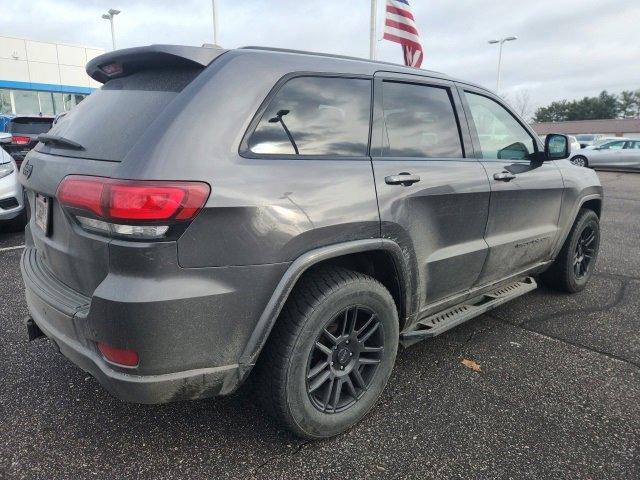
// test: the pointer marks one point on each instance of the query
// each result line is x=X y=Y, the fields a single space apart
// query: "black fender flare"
x=574 y=214
x=297 y=268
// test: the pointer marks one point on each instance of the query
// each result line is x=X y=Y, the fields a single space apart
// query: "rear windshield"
x=33 y=126
x=111 y=120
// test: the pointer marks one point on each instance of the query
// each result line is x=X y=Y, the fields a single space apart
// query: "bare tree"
x=522 y=104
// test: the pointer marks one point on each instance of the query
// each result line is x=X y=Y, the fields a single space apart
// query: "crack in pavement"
x=528 y=325
x=567 y=341
x=298 y=449
x=616 y=276
x=623 y=198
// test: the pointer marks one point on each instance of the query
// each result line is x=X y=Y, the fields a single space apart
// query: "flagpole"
x=372 y=31
x=215 y=22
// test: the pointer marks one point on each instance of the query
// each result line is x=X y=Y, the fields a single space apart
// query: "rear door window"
x=316 y=116
x=112 y=119
x=420 y=122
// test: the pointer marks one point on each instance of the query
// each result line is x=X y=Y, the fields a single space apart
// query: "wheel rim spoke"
x=323 y=348
x=331 y=337
x=590 y=239
x=327 y=395
x=372 y=349
x=345 y=323
x=337 y=393
x=317 y=369
x=369 y=361
x=350 y=387
x=367 y=323
x=357 y=377
x=370 y=332
x=317 y=383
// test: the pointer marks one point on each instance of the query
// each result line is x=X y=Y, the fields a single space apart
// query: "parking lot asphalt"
x=558 y=396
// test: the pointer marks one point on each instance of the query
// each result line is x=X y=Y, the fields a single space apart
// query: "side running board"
x=440 y=322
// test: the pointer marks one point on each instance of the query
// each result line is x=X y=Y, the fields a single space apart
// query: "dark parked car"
x=25 y=131
x=289 y=216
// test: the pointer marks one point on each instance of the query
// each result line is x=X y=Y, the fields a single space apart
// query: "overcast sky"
x=565 y=48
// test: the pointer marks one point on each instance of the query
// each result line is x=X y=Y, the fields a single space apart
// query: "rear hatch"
x=94 y=139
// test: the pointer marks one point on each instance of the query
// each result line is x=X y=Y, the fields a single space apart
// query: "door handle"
x=403 y=178
x=504 y=176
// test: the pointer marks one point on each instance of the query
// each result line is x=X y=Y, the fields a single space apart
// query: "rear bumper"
x=74 y=323
x=199 y=383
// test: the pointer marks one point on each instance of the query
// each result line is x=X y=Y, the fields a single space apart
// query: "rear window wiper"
x=47 y=139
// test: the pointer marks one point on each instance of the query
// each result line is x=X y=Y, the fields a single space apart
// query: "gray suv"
x=209 y=216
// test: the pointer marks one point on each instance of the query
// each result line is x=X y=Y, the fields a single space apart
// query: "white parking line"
x=6 y=249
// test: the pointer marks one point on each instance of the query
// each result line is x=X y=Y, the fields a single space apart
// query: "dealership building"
x=615 y=127
x=41 y=78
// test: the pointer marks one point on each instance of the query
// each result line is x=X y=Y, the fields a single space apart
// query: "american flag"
x=400 y=27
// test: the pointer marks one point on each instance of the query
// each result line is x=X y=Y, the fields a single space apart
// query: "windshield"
x=33 y=126
x=585 y=138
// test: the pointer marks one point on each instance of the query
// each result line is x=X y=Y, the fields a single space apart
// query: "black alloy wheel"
x=575 y=263
x=344 y=359
x=330 y=354
x=584 y=252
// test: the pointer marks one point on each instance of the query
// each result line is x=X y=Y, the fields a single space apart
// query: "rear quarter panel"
x=260 y=210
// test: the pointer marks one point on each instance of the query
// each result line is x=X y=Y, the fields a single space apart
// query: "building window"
x=30 y=102
x=58 y=102
x=26 y=102
x=46 y=103
x=70 y=100
x=5 y=101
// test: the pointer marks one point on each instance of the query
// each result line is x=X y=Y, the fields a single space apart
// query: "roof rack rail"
x=332 y=55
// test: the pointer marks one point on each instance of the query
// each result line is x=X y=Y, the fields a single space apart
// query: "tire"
x=317 y=305
x=564 y=274
x=580 y=161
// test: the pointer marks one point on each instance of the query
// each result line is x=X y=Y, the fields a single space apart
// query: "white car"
x=614 y=155
x=604 y=140
x=575 y=144
x=588 y=139
x=13 y=215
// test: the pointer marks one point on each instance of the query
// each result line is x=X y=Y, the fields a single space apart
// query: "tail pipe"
x=33 y=331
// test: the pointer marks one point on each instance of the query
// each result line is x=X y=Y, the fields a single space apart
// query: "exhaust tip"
x=33 y=331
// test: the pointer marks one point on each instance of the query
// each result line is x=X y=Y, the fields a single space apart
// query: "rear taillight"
x=20 y=139
x=129 y=208
x=121 y=356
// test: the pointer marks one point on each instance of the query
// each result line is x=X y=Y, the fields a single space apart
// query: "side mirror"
x=5 y=137
x=556 y=146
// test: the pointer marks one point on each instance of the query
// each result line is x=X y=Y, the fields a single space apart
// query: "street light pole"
x=501 y=42
x=109 y=16
x=215 y=22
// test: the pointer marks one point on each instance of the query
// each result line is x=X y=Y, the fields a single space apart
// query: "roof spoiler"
x=129 y=60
